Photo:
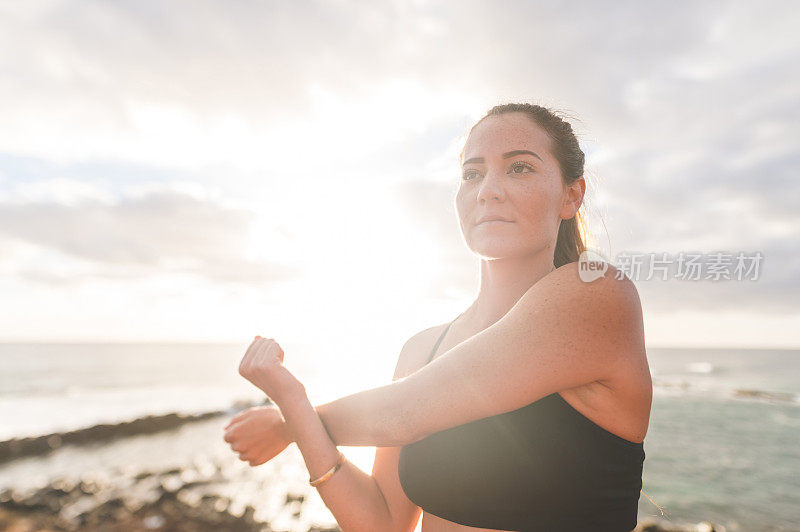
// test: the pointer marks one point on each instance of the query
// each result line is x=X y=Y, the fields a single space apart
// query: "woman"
x=526 y=412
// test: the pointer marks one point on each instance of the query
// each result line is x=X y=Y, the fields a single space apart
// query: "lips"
x=492 y=218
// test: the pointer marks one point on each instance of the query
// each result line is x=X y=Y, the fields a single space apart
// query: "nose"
x=491 y=188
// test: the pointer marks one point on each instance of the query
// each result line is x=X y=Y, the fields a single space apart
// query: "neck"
x=503 y=283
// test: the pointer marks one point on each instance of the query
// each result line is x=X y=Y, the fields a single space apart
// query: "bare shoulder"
x=607 y=301
x=414 y=353
x=601 y=315
x=610 y=286
x=609 y=314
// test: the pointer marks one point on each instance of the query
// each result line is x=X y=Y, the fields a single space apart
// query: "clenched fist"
x=262 y=365
x=258 y=434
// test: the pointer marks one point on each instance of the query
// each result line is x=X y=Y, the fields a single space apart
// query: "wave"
x=700 y=367
x=762 y=394
x=684 y=386
x=39 y=445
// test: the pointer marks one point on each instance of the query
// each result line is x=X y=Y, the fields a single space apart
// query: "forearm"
x=353 y=496
x=373 y=417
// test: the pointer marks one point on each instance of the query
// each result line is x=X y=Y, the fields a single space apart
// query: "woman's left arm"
x=562 y=333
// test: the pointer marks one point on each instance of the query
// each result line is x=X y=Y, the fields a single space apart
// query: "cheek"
x=538 y=203
x=463 y=206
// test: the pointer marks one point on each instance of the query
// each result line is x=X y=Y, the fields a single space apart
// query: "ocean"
x=723 y=443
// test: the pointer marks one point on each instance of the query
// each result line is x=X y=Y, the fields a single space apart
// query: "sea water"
x=717 y=448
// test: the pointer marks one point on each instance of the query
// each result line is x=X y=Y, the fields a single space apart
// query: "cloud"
x=154 y=229
x=143 y=82
x=695 y=121
x=775 y=291
x=689 y=112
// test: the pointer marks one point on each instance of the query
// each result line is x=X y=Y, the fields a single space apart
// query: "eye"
x=519 y=165
x=468 y=174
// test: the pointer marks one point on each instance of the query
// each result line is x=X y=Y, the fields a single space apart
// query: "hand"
x=258 y=434
x=262 y=365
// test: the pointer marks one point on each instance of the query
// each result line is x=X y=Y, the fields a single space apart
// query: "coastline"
x=169 y=472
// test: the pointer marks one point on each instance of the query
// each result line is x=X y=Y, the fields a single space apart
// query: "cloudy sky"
x=208 y=171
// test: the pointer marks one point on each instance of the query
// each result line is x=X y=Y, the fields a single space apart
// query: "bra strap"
x=441 y=337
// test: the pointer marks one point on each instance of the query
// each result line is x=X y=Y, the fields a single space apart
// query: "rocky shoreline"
x=170 y=473
x=39 y=445
x=174 y=499
x=166 y=472
x=168 y=500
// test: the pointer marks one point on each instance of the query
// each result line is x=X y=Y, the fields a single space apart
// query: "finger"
x=256 y=456
x=257 y=461
x=242 y=440
x=255 y=343
x=230 y=434
x=256 y=357
x=257 y=449
x=240 y=443
x=237 y=418
x=239 y=438
x=278 y=351
x=262 y=354
x=248 y=355
x=244 y=447
x=274 y=351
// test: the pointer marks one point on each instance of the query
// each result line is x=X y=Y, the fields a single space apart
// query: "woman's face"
x=509 y=172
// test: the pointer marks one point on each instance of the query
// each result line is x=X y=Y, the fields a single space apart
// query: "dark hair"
x=570 y=157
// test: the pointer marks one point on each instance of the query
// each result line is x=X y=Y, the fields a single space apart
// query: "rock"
x=169 y=500
x=760 y=394
x=142 y=475
x=40 y=445
x=660 y=525
x=290 y=497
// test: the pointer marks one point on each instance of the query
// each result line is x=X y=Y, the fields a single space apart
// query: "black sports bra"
x=544 y=467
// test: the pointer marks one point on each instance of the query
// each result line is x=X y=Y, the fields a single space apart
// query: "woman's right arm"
x=354 y=497
x=357 y=500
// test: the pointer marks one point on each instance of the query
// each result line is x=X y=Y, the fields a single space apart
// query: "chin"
x=496 y=249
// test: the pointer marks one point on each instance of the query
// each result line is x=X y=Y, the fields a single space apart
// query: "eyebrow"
x=506 y=155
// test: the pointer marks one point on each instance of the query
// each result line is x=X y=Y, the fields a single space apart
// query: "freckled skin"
x=523 y=188
x=529 y=191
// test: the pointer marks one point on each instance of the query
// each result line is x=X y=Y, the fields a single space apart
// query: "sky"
x=208 y=171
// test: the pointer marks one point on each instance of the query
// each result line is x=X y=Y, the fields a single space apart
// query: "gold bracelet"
x=331 y=471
